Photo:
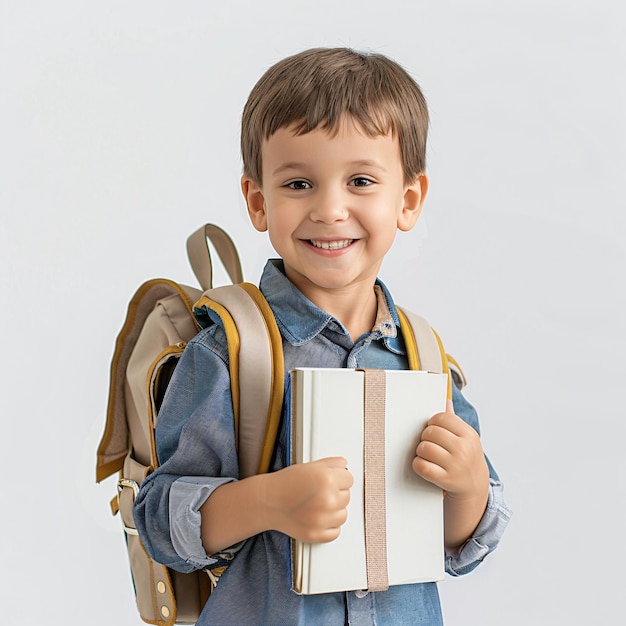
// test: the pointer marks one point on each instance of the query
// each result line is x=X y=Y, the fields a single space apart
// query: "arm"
x=196 y=451
x=193 y=500
x=450 y=455
x=306 y=501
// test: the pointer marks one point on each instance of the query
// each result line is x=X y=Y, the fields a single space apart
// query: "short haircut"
x=318 y=87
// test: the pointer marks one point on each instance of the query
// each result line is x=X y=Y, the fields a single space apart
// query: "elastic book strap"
x=374 y=479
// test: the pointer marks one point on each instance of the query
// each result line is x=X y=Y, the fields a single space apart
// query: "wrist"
x=263 y=501
x=476 y=493
x=232 y=513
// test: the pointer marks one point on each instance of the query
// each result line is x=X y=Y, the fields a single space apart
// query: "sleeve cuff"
x=486 y=536
x=187 y=495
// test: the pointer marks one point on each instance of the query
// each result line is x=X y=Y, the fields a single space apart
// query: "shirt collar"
x=300 y=320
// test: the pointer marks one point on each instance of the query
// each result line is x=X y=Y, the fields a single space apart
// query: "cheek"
x=386 y=239
x=282 y=219
x=279 y=229
x=382 y=216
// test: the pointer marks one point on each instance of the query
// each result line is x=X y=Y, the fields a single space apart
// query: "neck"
x=354 y=308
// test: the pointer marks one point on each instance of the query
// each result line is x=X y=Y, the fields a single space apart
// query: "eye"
x=298 y=185
x=361 y=181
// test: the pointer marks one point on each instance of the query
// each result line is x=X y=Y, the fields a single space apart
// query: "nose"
x=329 y=206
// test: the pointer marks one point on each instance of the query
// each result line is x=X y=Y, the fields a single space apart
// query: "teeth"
x=332 y=245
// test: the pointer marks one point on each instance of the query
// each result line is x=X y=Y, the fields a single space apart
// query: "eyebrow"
x=291 y=165
x=295 y=165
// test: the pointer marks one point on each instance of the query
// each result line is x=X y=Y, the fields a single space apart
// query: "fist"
x=310 y=499
x=450 y=455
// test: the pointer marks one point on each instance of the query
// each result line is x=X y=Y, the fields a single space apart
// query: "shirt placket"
x=360 y=608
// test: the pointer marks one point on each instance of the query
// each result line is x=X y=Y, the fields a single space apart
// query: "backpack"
x=159 y=324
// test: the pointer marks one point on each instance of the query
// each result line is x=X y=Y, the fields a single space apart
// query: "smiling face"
x=332 y=204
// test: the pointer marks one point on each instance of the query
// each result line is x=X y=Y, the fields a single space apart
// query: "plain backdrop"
x=119 y=130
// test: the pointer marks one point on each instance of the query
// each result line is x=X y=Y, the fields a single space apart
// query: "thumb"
x=449 y=406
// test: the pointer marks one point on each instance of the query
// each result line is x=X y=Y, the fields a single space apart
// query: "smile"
x=331 y=245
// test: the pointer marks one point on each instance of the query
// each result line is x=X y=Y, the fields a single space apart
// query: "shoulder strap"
x=254 y=348
x=256 y=370
x=424 y=347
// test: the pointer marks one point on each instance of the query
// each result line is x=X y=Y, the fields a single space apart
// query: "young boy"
x=333 y=144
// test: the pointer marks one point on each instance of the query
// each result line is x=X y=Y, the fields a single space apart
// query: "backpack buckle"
x=127 y=483
x=123 y=483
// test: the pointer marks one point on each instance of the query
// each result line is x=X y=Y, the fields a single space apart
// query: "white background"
x=119 y=136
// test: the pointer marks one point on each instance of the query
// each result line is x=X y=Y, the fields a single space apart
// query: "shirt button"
x=361 y=593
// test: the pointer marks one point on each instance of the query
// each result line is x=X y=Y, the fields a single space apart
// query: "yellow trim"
x=410 y=344
x=454 y=362
x=233 y=342
x=444 y=364
x=172 y=350
x=278 y=376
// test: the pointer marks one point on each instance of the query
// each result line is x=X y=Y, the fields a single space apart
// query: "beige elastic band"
x=374 y=480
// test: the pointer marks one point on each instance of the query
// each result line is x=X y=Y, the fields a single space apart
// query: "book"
x=327 y=419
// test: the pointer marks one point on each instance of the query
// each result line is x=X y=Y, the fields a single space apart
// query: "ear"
x=414 y=196
x=256 y=203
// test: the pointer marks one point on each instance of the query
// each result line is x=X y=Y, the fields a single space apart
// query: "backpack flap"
x=122 y=420
x=164 y=336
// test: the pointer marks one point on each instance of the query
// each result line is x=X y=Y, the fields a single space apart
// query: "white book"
x=327 y=420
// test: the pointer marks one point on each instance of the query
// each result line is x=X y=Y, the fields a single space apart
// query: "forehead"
x=347 y=144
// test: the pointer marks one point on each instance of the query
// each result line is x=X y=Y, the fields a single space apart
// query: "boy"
x=333 y=144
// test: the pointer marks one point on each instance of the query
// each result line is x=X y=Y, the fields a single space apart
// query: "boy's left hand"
x=451 y=456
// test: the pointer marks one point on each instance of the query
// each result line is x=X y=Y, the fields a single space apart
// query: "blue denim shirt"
x=196 y=449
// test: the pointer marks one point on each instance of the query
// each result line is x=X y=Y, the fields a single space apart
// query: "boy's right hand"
x=308 y=501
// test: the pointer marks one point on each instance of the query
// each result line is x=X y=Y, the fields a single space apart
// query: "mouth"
x=332 y=245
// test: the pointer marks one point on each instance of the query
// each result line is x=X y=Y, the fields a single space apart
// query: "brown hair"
x=317 y=87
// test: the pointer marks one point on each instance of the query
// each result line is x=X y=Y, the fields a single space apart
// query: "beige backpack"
x=158 y=325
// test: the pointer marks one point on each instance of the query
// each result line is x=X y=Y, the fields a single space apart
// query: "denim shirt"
x=196 y=449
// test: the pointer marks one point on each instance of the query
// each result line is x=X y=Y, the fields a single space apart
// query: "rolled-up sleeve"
x=196 y=450
x=490 y=529
x=486 y=537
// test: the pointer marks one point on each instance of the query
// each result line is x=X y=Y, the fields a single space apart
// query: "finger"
x=440 y=436
x=449 y=406
x=334 y=461
x=434 y=453
x=344 y=479
x=342 y=476
x=431 y=472
x=331 y=520
x=343 y=499
x=331 y=533
x=450 y=422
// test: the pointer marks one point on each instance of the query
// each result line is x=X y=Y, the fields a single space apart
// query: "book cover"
x=327 y=419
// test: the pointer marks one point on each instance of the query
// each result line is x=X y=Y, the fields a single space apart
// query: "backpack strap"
x=457 y=374
x=254 y=347
x=423 y=346
x=256 y=370
x=199 y=254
